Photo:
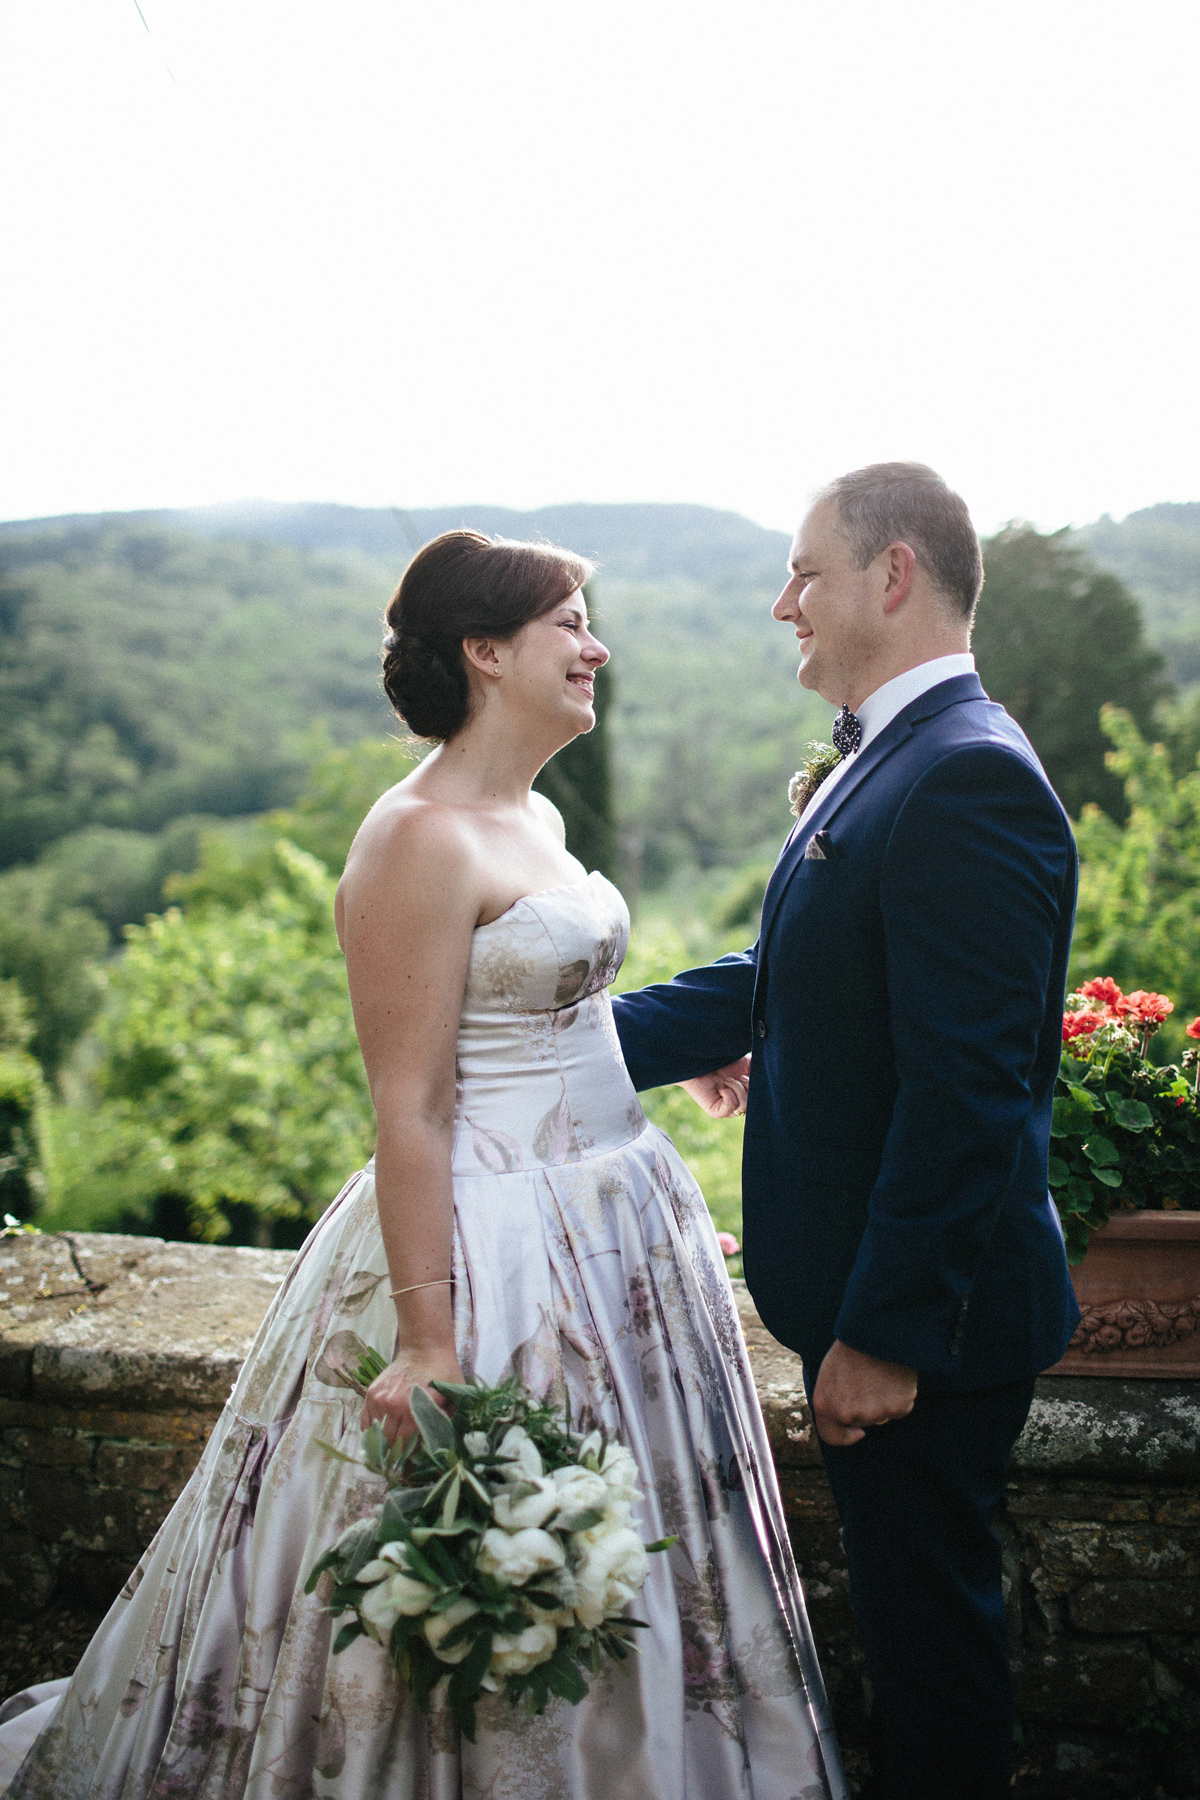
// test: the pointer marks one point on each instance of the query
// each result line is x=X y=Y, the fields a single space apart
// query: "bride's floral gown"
x=586 y=1264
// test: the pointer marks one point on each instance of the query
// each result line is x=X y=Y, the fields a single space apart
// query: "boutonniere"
x=819 y=761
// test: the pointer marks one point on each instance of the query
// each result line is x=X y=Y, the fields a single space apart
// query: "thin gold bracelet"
x=442 y=1281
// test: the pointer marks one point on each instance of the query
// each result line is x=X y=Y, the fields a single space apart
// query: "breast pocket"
x=821 y=848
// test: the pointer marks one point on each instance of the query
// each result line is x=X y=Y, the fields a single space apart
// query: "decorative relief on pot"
x=1136 y=1325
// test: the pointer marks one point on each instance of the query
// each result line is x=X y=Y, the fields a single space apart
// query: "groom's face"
x=829 y=605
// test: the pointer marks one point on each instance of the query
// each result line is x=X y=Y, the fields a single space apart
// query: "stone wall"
x=116 y=1354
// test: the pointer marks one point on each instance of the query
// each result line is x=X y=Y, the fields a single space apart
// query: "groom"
x=904 y=1007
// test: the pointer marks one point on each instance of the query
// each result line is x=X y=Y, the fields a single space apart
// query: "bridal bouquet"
x=502 y=1554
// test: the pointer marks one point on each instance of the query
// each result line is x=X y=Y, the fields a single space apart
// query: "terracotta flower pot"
x=1138 y=1288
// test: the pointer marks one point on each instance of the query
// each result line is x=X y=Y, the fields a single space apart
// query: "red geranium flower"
x=1104 y=989
x=1193 y=1030
x=1151 y=1009
x=1081 y=1024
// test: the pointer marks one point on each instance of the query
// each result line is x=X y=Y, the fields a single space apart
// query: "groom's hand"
x=854 y=1391
x=723 y=1093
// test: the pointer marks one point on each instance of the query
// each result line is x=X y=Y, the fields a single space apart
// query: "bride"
x=520 y=1217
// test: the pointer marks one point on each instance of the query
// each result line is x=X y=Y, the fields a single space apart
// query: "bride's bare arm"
x=407 y=907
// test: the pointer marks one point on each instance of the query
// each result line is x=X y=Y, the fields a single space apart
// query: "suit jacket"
x=904 y=1005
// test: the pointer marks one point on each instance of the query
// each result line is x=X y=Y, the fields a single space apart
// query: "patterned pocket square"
x=820 y=848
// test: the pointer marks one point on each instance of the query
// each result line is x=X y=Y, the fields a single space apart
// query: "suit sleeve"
x=977 y=872
x=689 y=1026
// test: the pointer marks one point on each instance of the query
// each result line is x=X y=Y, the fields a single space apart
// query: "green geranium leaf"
x=1059 y=1171
x=1111 y=1178
x=1078 y=1238
x=1102 y=1152
x=1082 y=1097
x=1131 y=1115
x=1077 y=1195
x=1068 y=1117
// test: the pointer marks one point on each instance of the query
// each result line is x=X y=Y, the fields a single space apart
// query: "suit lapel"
x=896 y=732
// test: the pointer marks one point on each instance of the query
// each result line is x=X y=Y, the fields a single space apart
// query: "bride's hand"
x=387 y=1398
x=722 y=1094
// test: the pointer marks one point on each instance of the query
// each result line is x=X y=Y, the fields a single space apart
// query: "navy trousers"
x=916 y=1500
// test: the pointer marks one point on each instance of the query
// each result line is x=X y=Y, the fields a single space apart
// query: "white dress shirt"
x=880 y=708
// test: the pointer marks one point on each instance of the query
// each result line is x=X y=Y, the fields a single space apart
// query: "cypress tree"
x=579 y=780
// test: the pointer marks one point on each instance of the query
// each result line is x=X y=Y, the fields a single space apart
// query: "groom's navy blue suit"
x=904 y=1006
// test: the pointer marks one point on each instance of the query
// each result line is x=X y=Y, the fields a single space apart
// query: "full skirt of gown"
x=586 y=1264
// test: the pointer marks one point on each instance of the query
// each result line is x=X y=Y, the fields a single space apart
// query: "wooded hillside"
x=193 y=717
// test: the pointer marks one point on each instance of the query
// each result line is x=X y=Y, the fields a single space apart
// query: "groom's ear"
x=899 y=567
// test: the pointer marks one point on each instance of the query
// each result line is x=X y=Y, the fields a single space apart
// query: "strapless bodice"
x=540 y=1074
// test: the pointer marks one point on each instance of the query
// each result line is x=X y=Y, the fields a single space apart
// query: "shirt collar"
x=880 y=708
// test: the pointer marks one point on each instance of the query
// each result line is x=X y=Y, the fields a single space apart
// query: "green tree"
x=1055 y=639
x=229 y=1074
x=663 y=943
x=54 y=951
x=119 y=875
x=237 y=862
x=342 y=787
x=579 y=780
x=1139 y=893
x=145 y=674
x=23 y=1109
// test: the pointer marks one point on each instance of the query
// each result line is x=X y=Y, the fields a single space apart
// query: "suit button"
x=760 y=1026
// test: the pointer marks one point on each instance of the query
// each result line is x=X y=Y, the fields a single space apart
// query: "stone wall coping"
x=113 y=1322
x=112 y=1326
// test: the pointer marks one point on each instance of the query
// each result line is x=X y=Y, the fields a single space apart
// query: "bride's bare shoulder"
x=408 y=837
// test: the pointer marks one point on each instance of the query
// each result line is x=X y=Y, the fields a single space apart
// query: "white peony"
x=579 y=1490
x=609 y=1574
x=475 y=1443
x=618 y=1516
x=439 y=1625
x=390 y=1558
x=517 y=1447
x=515 y=1556
x=619 y=1473
x=516 y=1655
x=533 y=1509
x=394 y=1594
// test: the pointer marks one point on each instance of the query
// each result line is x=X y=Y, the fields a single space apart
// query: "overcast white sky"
x=526 y=251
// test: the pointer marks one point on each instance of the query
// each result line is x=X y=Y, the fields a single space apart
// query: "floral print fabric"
x=586 y=1264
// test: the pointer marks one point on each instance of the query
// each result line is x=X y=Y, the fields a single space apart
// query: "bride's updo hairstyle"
x=461 y=585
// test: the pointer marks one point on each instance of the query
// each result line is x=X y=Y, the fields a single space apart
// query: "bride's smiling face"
x=550 y=666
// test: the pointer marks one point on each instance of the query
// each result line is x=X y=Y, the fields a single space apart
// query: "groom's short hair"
x=908 y=502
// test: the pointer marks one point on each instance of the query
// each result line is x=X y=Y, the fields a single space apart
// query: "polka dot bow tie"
x=846 y=733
